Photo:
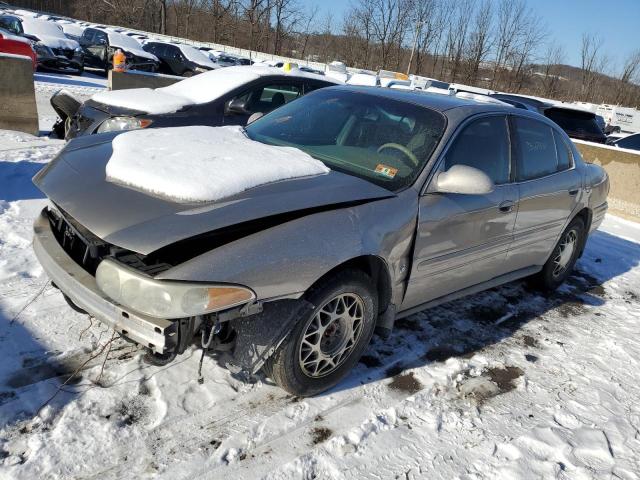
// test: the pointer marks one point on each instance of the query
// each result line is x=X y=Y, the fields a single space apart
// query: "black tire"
x=548 y=279
x=284 y=365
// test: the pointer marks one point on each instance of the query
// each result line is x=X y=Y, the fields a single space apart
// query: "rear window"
x=573 y=121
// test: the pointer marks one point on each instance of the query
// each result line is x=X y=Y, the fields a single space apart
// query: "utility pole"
x=413 y=49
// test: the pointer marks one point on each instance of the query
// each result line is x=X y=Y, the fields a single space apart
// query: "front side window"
x=536 y=149
x=384 y=141
x=483 y=144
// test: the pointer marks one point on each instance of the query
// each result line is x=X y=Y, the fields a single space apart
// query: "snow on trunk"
x=201 y=164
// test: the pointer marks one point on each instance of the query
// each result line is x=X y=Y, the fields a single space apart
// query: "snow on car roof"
x=196 y=55
x=202 y=88
x=207 y=164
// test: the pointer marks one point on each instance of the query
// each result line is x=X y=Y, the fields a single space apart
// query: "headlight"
x=166 y=299
x=117 y=124
x=42 y=50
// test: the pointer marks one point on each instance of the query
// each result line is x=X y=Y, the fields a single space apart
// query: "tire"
x=551 y=276
x=349 y=288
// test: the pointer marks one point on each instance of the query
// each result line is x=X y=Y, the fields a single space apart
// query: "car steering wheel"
x=402 y=149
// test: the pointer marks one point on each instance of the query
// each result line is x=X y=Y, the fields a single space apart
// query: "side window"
x=536 y=149
x=88 y=35
x=563 y=152
x=100 y=38
x=483 y=144
x=279 y=94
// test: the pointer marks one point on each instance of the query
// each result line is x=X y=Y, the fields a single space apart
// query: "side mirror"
x=237 y=106
x=464 y=180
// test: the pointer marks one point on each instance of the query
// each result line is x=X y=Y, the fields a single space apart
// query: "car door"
x=263 y=98
x=463 y=240
x=549 y=188
x=86 y=40
x=97 y=49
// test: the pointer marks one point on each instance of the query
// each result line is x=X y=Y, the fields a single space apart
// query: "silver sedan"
x=429 y=198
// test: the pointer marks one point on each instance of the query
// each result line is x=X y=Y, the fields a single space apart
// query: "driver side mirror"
x=464 y=180
x=237 y=106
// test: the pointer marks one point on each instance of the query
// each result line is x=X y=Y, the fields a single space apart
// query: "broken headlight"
x=164 y=298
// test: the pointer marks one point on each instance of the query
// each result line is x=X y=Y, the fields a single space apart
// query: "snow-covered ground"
x=507 y=384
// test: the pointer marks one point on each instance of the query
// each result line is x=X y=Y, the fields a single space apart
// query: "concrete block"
x=18 y=109
x=134 y=79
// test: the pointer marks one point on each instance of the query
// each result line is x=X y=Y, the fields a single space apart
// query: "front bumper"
x=60 y=64
x=158 y=335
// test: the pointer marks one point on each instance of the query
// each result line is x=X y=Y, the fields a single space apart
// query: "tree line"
x=497 y=44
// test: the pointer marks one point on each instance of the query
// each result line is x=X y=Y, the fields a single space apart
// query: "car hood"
x=58 y=42
x=75 y=182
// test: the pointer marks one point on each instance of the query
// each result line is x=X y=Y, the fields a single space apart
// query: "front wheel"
x=325 y=345
x=563 y=258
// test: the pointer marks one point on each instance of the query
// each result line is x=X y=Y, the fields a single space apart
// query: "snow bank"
x=200 y=164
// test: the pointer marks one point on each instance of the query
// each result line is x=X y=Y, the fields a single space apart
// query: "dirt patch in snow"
x=407 y=382
x=320 y=435
x=505 y=377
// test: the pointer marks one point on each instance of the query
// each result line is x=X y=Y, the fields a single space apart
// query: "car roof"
x=434 y=101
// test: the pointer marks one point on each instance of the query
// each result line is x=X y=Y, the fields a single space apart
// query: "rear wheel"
x=564 y=257
x=324 y=346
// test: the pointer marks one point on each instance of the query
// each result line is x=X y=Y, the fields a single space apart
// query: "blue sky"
x=617 y=22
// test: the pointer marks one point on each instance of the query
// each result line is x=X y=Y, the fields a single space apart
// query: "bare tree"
x=480 y=41
x=553 y=57
x=628 y=76
x=592 y=62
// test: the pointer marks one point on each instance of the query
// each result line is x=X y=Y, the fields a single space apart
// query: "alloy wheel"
x=331 y=334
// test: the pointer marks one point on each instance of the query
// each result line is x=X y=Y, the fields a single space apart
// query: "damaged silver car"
x=428 y=198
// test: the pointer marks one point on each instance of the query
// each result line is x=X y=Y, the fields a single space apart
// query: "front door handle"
x=573 y=192
x=506 y=206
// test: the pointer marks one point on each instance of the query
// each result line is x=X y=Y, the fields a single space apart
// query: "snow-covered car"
x=180 y=59
x=55 y=51
x=226 y=96
x=99 y=46
x=283 y=245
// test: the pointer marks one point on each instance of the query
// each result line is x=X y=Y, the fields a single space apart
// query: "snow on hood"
x=202 y=164
x=126 y=43
x=49 y=33
x=197 y=56
x=202 y=88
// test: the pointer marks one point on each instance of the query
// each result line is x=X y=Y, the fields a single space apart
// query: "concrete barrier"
x=623 y=167
x=133 y=79
x=18 y=109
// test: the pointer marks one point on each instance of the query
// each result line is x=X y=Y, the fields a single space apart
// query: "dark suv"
x=178 y=59
x=578 y=124
x=100 y=45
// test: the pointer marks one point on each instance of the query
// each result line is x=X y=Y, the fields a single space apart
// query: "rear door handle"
x=574 y=192
x=506 y=206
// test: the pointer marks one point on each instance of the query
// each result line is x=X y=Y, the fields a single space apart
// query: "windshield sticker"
x=386 y=171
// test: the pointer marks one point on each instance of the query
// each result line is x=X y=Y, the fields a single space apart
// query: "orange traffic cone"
x=119 y=61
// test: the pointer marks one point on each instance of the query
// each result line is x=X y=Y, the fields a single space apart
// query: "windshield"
x=384 y=141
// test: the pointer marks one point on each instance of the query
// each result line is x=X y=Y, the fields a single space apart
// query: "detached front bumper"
x=80 y=286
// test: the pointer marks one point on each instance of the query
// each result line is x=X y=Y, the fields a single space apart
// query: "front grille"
x=88 y=251
x=63 y=52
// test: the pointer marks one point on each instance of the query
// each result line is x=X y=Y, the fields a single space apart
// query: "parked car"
x=423 y=203
x=54 y=50
x=180 y=59
x=227 y=96
x=223 y=59
x=99 y=46
x=579 y=124
x=16 y=45
x=631 y=142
